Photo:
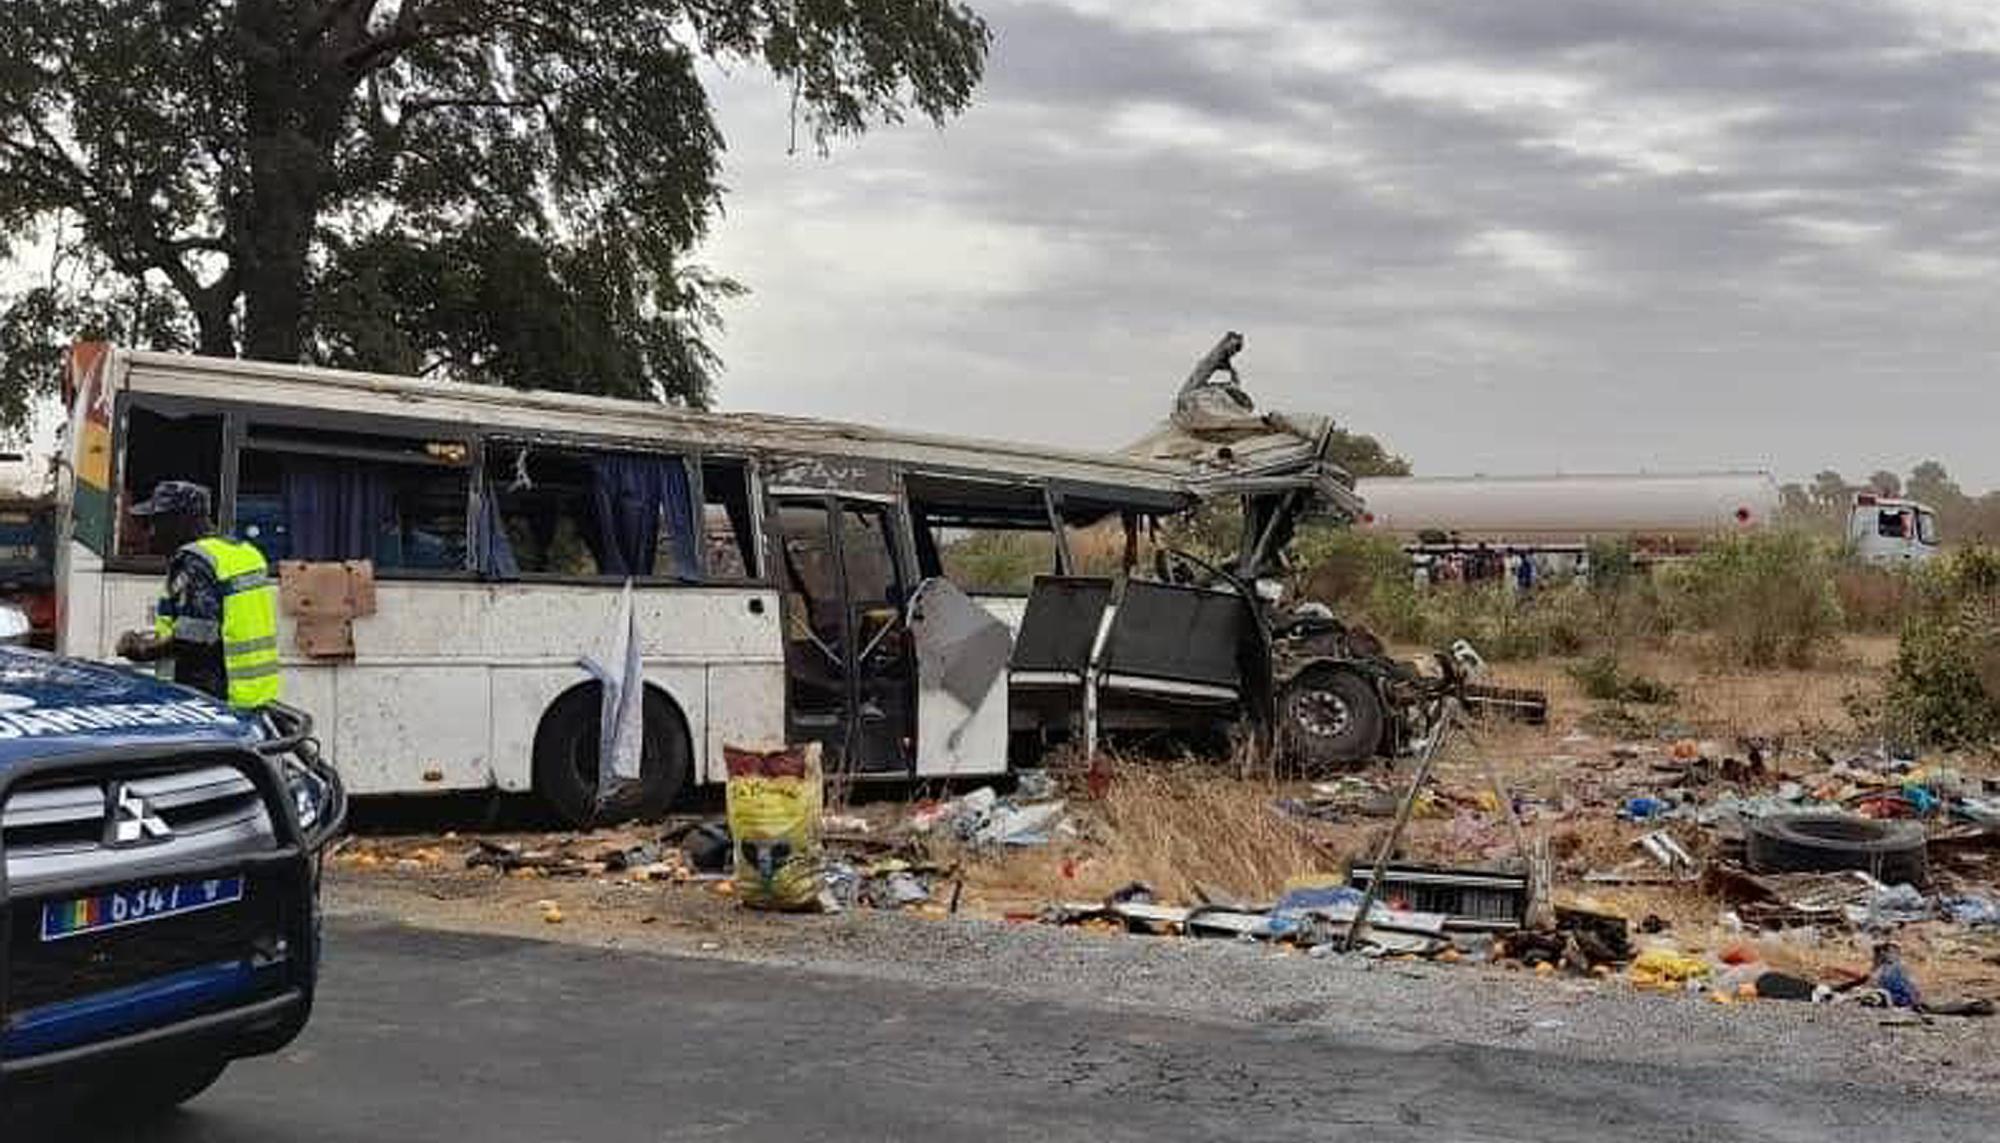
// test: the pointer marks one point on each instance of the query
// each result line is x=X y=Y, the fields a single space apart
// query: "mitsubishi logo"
x=133 y=818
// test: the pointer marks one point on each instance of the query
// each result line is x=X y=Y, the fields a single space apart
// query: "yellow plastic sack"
x=1663 y=967
x=774 y=800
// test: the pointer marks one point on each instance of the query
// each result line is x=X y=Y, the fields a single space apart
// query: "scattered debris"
x=984 y=818
x=707 y=847
x=1483 y=900
x=583 y=855
x=1670 y=854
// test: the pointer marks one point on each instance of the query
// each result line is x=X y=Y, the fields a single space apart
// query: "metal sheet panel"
x=522 y=622
x=962 y=653
x=412 y=729
x=746 y=707
x=83 y=603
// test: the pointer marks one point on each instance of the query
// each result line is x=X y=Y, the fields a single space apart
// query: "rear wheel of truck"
x=566 y=762
x=1329 y=717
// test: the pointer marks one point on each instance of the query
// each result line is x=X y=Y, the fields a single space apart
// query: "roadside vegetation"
x=1773 y=600
x=1781 y=599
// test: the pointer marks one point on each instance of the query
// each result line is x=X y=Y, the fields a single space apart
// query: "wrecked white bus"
x=794 y=580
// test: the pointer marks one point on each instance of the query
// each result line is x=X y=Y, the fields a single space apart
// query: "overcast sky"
x=1530 y=236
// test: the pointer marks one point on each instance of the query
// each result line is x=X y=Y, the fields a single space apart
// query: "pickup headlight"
x=309 y=794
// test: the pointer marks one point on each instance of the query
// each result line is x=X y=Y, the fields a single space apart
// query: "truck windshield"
x=1927 y=528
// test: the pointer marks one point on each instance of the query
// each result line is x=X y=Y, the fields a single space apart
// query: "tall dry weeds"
x=1187 y=829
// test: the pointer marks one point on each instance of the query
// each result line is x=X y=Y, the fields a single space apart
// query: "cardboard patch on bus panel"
x=329 y=590
x=324 y=599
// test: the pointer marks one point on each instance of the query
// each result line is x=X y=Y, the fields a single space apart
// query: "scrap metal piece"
x=1471 y=900
x=1661 y=847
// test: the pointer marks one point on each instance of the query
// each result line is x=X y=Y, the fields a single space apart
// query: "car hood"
x=55 y=705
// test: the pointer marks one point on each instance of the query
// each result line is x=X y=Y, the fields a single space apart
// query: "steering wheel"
x=1176 y=566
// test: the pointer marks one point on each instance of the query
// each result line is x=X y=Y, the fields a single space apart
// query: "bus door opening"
x=850 y=681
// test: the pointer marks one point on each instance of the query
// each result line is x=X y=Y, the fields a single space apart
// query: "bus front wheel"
x=566 y=762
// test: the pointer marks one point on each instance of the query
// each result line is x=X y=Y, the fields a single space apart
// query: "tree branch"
x=413 y=107
x=414 y=24
x=353 y=13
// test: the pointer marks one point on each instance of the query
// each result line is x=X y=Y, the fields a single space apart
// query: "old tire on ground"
x=1329 y=717
x=565 y=758
x=1890 y=851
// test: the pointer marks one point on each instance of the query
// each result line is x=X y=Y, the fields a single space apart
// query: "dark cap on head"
x=175 y=498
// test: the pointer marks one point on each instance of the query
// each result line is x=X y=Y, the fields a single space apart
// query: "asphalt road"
x=426 y=1036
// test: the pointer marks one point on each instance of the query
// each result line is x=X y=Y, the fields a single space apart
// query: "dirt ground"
x=1199 y=833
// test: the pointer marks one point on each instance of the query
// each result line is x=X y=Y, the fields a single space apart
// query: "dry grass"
x=1186 y=831
x=1726 y=702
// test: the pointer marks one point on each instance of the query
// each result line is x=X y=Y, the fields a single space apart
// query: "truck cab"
x=1889 y=530
x=159 y=883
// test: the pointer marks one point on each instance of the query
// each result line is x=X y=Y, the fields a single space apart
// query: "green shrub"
x=1612 y=568
x=1604 y=680
x=1768 y=597
x=997 y=560
x=1343 y=568
x=1944 y=688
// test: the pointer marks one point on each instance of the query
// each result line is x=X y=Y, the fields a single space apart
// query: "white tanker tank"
x=1551 y=509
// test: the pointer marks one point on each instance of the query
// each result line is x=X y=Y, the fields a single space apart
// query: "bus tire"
x=1328 y=717
x=565 y=759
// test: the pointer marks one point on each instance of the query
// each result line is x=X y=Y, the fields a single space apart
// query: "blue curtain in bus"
x=629 y=496
x=337 y=511
x=496 y=551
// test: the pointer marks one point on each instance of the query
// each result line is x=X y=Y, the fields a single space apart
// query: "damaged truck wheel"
x=1329 y=717
x=566 y=758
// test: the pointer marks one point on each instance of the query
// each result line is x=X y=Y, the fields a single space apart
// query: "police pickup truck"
x=159 y=882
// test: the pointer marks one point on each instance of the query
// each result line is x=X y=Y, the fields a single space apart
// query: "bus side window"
x=162 y=446
x=729 y=538
x=588 y=514
x=405 y=515
x=544 y=506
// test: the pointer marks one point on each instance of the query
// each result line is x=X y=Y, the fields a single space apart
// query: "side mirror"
x=14 y=625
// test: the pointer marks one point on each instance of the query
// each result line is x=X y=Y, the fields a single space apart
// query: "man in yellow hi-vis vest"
x=218 y=621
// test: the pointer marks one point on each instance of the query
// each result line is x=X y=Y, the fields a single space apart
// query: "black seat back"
x=1060 y=626
x=1178 y=633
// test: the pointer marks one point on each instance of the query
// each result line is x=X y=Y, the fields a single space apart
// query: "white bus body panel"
x=449 y=680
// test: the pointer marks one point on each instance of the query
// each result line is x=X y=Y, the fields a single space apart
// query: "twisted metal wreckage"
x=1202 y=643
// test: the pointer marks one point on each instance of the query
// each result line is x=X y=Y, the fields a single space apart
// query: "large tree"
x=501 y=190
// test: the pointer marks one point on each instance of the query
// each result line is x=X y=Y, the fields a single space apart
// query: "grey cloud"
x=1746 y=216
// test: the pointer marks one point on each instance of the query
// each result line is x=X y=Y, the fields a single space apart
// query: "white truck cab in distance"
x=1891 y=530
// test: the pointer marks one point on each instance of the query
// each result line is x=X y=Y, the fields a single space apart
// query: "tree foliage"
x=498 y=190
x=1363 y=455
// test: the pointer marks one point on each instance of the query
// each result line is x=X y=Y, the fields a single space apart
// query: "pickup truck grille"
x=61 y=832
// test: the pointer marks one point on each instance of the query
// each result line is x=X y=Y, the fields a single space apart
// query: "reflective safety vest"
x=249 y=628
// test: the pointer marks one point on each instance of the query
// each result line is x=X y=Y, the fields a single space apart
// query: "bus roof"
x=538 y=411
